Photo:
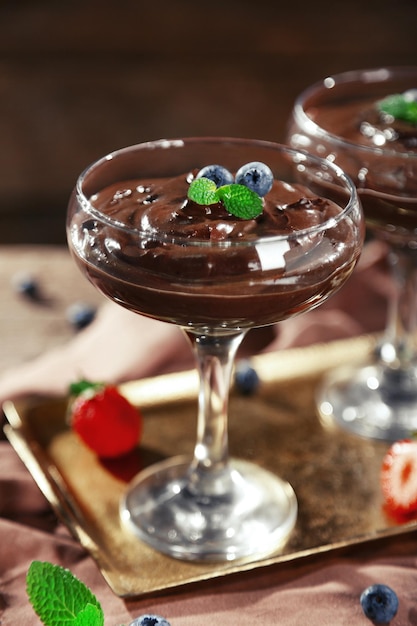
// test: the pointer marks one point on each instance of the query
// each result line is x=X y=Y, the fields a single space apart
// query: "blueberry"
x=246 y=378
x=217 y=173
x=80 y=315
x=26 y=285
x=150 y=620
x=257 y=176
x=379 y=603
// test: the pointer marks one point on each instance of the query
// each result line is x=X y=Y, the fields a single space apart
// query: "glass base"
x=251 y=519
x=375 y=402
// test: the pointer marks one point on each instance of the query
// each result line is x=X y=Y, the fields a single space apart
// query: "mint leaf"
x=90 y=616
x=58 y=597
x=400 y=107
x=240 y=201
x=203 y=191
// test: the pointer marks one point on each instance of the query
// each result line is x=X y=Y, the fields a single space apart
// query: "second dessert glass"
x=339 y=119
x=216 y=286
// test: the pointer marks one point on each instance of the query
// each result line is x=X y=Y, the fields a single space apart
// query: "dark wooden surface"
x=81 y=78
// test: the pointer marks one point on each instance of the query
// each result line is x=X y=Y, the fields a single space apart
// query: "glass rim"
x=366 y=76
x=298 y=154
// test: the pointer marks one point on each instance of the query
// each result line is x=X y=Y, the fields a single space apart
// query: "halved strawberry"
x=104 y=419
x=399 y=478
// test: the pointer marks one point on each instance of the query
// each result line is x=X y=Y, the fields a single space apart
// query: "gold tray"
x=335 y=475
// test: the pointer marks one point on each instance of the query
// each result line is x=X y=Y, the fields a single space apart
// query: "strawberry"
x=399 y=478
x=104 y=419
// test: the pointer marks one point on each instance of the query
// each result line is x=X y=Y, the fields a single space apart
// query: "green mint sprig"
x=400 y=107
x=238 y=200
x=58 y=597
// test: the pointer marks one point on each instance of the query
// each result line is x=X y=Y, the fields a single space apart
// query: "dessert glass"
x=379 y=399
x=212 y=507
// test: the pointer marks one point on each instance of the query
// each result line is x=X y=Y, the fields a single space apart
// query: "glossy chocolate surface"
x=164 y=256
x=377 y=151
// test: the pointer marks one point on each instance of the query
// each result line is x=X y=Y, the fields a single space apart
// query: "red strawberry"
x=104 y=419
x=399 y=478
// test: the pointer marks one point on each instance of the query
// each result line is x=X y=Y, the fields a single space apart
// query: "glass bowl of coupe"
x=217 y=236
x=366 y=122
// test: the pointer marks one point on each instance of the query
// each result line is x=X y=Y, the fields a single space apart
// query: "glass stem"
x=398 y=350
x=214 y=355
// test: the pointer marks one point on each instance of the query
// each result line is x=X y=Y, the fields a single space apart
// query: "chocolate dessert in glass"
x=217 y=236
x=366 y=122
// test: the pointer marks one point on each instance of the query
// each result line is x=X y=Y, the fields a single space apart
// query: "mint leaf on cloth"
x=90 y=616
x=59 y=598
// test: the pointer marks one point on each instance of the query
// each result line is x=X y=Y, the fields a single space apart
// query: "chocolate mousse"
x=363 y=122
x=150 y=248
x=377 y=150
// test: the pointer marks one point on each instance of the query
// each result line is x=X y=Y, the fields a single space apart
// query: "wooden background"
x=81 y=78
